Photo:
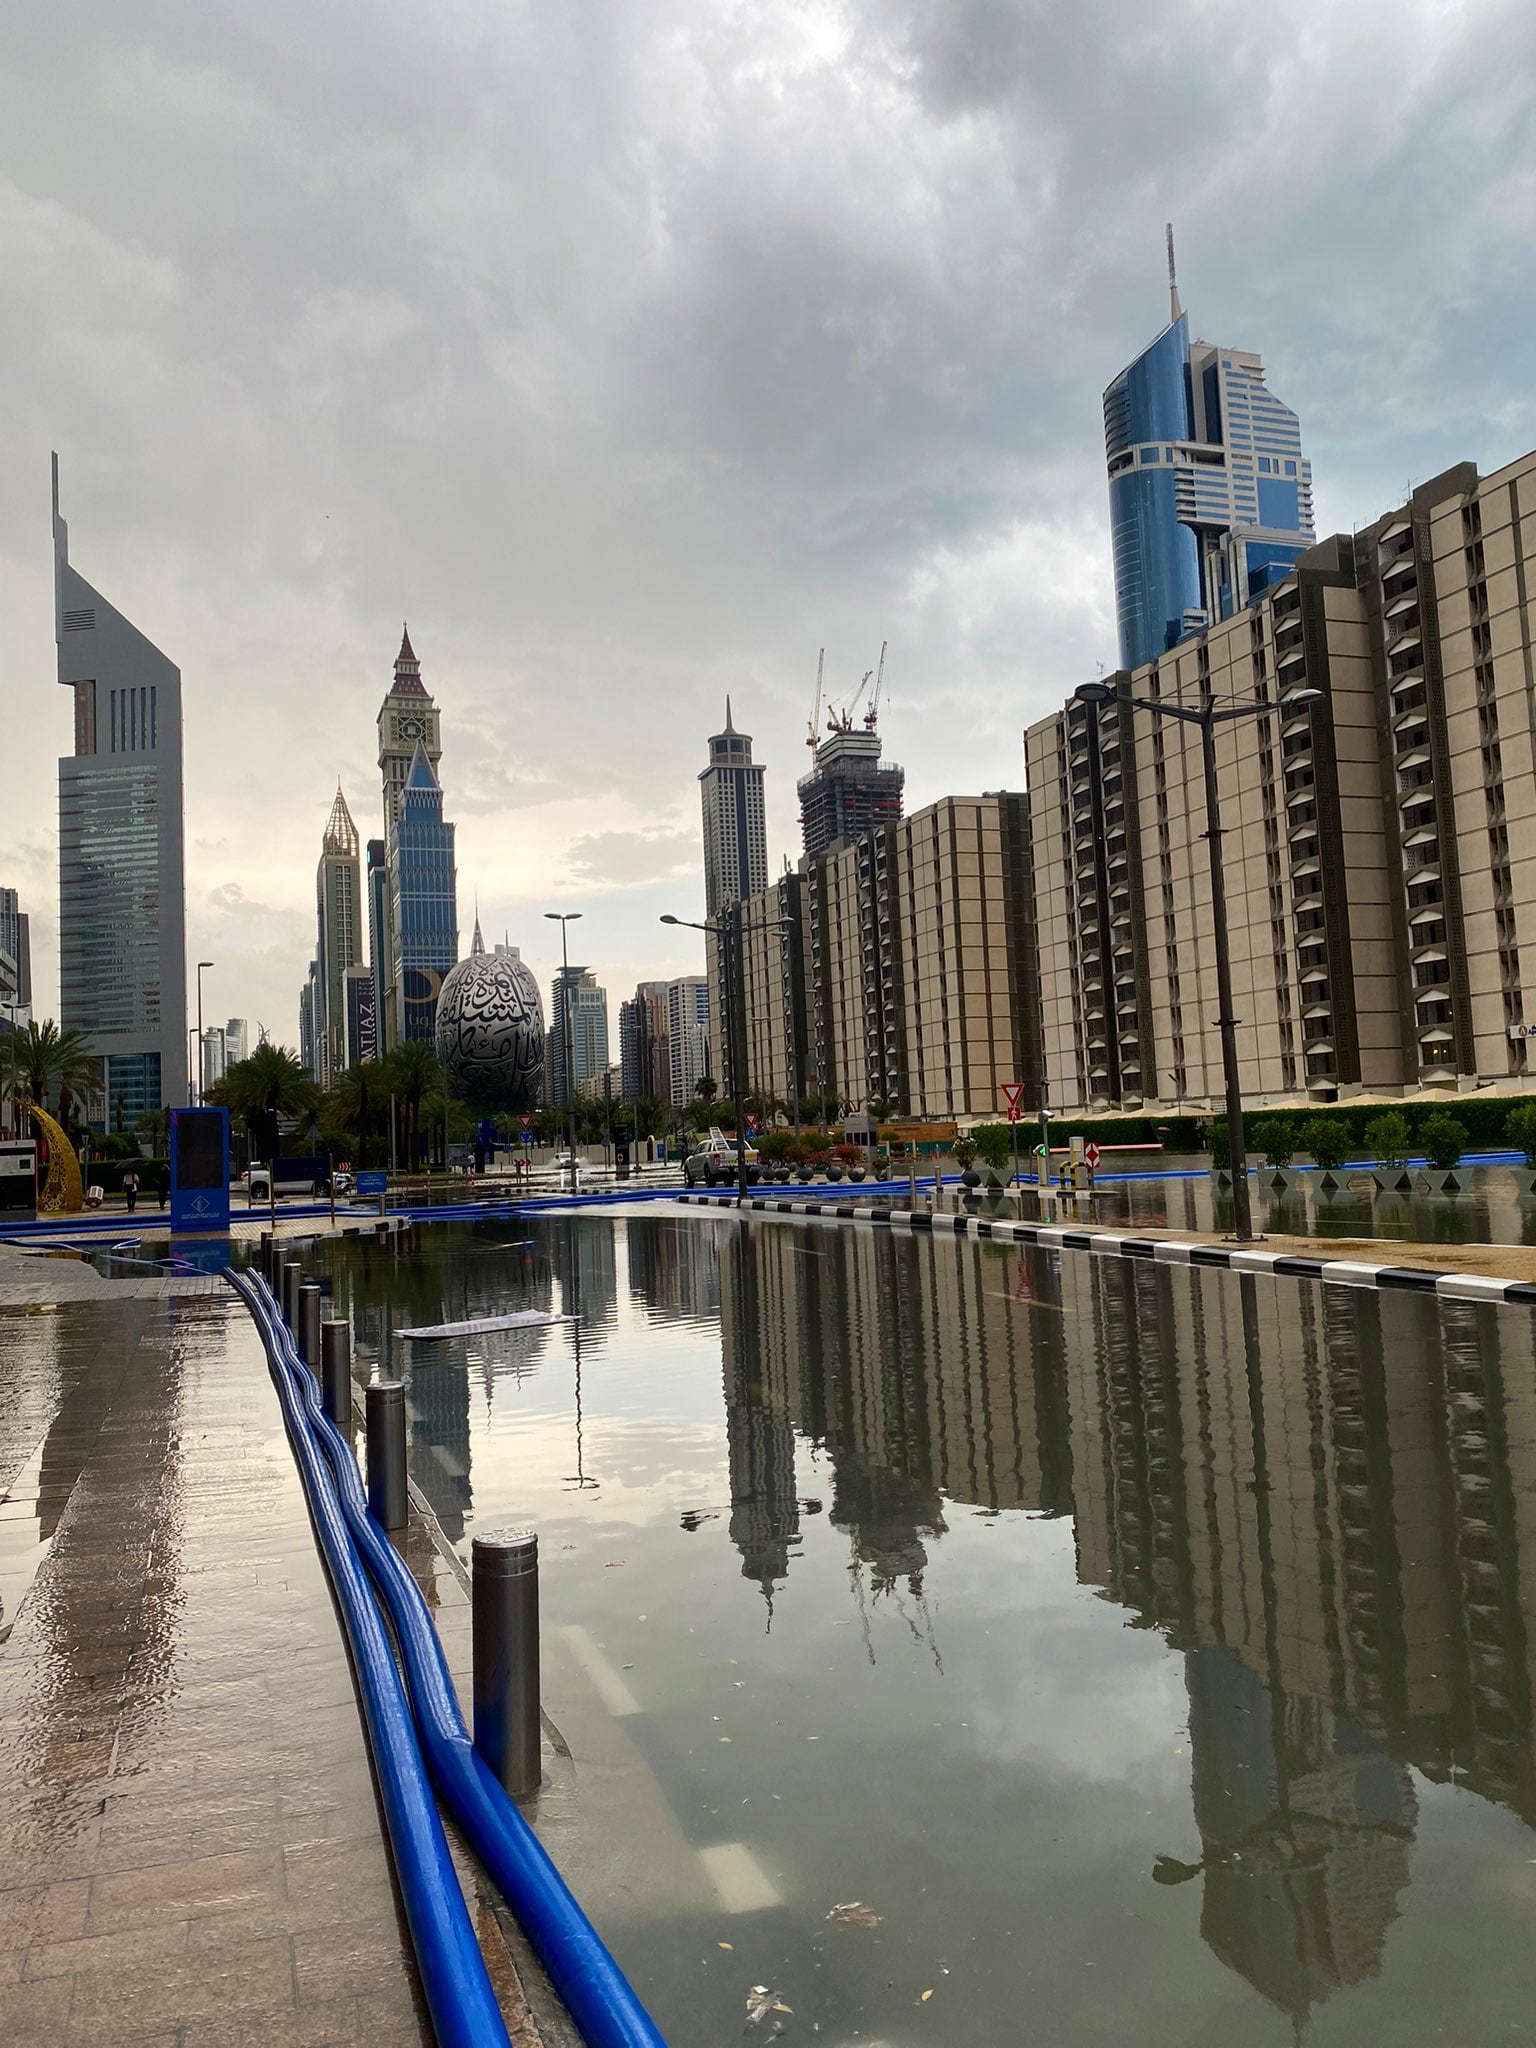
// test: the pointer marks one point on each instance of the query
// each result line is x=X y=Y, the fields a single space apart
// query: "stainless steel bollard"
x=308 y=1332
x=336 y=1372
x=385 y=1418
x=505 y=1594
x=293 y=1279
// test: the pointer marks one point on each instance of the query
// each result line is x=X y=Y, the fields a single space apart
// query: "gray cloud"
x=635 y=354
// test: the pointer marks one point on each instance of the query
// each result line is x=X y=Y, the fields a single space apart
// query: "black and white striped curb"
x=1113 y=1244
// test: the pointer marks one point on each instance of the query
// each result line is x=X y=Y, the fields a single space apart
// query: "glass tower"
x=122 y=891
x=423 y=894
x=1210 y=497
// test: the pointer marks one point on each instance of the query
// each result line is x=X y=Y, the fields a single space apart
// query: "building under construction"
x=849 y=790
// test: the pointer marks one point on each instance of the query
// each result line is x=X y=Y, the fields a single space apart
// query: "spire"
x=407 y=681
x=728 y=725
x=1175 y=310
x=477 y=944
x=408 y=652
x=340 y=832
x=420 y=775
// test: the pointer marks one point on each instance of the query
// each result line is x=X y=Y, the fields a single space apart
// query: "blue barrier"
x=599 y=1997
x=464 y=2009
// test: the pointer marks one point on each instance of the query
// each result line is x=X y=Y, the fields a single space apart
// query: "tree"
x=1327 y=1139
x=706 y=1089
x=270 y=1084
x=1520 y=1130
x=411 y=1074
x=1387 y=1139
x=1276 y=1138
x=1444 y=1140
x=354 y=1106
x=43 y=1059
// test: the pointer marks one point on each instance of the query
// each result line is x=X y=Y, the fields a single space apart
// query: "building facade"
x=423 y=903
x=735 y=854
x=579 y=1020
x=775 y=1030
x=381 y=952
x=16 y=940
x=1378 y=839
x=644 y=1056
x=849 y=791
x=339 y=939
x=122 y=890
x=688 y=1037
x=1210 y=496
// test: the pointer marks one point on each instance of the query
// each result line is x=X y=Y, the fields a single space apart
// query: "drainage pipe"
x=464 y=2009
x=599 y=1997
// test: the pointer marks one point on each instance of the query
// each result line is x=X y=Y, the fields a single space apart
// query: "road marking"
x=606 y=1682
x=738 y=1877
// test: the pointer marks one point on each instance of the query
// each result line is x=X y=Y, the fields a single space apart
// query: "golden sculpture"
x=62 y=1193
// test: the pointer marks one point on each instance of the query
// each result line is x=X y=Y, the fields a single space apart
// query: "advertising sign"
x=200 y=1169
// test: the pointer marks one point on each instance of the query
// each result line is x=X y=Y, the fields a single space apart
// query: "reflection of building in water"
x=759 y=1432
x=1305 y=1825
x=438 y=1408
x=582 y=1254
x=673 y=1268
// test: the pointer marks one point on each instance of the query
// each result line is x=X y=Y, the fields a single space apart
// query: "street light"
x=1207 y=716
x=563 y=918
x=731 y=931
x=200 y=966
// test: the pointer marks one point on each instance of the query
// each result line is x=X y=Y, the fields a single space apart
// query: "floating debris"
x=519 y=1319
x=854 y=1914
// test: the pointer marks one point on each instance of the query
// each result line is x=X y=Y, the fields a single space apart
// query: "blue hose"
x=464 y=2009
x=599 y=1997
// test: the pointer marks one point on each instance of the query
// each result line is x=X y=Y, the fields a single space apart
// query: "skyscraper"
x=849 y=789
x=735 y=842
x=423 y=902
x=339 y=937
x=16 y=939
x=122 y=891
x=381 y=954
x=1210 y=497
x=588 y=1002
x=237 y=1041
x=644 y=1058
x=687 y=1036
x=408 y=718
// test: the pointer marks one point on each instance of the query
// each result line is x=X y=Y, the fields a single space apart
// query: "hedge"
x=1482 y=1116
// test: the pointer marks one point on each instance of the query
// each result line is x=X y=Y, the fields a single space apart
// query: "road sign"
x=1091 y=1154
x=525 y=1130
x=751 y=1126
x=1013 y=1095
x=371 y=1184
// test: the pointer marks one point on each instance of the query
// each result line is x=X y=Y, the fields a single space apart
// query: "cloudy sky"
x=635 y=352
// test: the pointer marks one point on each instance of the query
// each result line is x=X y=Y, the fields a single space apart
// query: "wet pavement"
x=973 y=1643
x=190 y=1849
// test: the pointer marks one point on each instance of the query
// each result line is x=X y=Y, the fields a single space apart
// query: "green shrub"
x=1327 y=1139
x=1520 y=1130
x=1275 y=1138
x=1217 y=1143
x=1387 y=1139
x=1444 y=1140
x=963 y=1152
x=994 y=1144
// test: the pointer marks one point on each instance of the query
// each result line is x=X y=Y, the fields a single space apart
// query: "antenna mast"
x=1174 y=308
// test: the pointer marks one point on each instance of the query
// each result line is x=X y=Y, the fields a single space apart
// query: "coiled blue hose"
x=599 y=1997
x=464 y=2009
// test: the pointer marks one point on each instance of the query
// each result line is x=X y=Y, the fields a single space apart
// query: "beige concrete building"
x=905 y=976
x=1379 y=841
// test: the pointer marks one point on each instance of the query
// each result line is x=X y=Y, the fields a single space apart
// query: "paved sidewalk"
x=190 y=1848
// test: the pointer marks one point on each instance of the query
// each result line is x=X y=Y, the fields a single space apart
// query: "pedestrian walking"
x=163 y=1183
x=130 y=1189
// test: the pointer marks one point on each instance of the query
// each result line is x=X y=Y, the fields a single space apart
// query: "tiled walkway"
x=190 y=1849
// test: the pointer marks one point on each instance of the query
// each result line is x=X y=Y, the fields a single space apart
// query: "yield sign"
x=1013 y=1095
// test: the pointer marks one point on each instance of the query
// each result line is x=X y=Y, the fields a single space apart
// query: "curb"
x=1114 y=1244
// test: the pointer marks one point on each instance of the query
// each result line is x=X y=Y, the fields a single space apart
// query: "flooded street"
x=1147 y=1651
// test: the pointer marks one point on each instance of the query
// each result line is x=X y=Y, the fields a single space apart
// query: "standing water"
x=971 y=1644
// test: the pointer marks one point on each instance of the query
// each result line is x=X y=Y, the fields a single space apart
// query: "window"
x=1290 y=469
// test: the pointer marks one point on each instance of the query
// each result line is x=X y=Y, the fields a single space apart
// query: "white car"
x=714 y=1162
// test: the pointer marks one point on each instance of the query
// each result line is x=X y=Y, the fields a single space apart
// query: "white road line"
x=738 y=1877
x=606 y=1682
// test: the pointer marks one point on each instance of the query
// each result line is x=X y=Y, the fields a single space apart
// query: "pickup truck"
x=714 y=1162
x=311 y=1177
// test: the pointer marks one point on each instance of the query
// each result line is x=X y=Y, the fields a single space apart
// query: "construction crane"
x=872 y=715
x=842 y=721
x=810 y=738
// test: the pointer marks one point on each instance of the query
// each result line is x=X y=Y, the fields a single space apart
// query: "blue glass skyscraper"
x=423 y=888
x=1210 y=497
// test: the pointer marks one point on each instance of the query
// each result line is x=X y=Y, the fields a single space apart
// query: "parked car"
x=294 y=1177
x=714 y=1163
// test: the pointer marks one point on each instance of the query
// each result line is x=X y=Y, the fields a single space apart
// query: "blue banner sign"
x=200 y=1169
x=371 y=1184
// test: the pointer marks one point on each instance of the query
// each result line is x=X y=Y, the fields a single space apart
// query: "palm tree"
x=43 y=1057
x=410 y=1073
x=352 y=1108
x=271 y=1083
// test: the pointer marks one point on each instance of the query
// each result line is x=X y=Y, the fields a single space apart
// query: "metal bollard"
x=505 y=1593
x=308 y=1332
x=385 y=1419
x=336 y=1372
x=293 y=1279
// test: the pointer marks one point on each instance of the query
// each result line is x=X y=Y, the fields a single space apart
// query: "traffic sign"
x=1013 y=1094
x=525 y=1130
x=751 y=1126
x=371 y=1184
x=1091 y=1154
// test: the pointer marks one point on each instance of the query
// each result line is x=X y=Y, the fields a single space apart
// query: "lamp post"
x=563 y=918
x=200 y=966
x=1207 y=716
x=730 y=930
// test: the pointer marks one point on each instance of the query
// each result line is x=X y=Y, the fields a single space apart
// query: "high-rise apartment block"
x=1210 y=497
x=1378 y=839
x=896 y=973
x=585 y=1032
x=688 y=1036
x=122 y=894
x=16 y=940
x=735 y=856
x=645 y=1068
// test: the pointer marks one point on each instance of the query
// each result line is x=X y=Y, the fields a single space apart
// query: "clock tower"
x=407 y=717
